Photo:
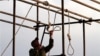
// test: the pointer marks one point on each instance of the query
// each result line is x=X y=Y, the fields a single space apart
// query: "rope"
x=15 y=33
x=50 y=24
x=69 y=38
x=54 y=28
x=70 y=54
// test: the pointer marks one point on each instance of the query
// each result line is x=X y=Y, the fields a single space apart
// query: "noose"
x=54 y=27
x=69 y=38
x=49 y=23
x=46 y=3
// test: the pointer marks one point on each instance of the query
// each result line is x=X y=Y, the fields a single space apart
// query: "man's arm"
x=47 y=48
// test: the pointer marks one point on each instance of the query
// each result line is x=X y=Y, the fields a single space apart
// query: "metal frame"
x=37 y=28
x=63 y=29
x=20 y=17
x=47 y=8
x=76 y=22
x=65 y=10
x=96 y=1
x=98 y=10
x=14 y=27
x=63 y=23
x=84 y=42
x=17 y=24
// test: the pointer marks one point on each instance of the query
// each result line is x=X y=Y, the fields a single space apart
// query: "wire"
x=69 y=38
x=16 y=32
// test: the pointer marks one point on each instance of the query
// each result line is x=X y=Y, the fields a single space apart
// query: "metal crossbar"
x=17 y=24
x=65 y=10
x=96 y=1
x=20 y=17
x=57 y=11
x=98 y=10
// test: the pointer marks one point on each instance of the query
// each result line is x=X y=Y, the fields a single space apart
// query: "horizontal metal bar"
x=60 y=9
x=47 y=9
x=86 y=5
x=96 y=1
x=84 y=17
x=17 y=24
x=64 y=10
x=22 y=17
x=59 y=24
x=50 y=10
x=81 y=21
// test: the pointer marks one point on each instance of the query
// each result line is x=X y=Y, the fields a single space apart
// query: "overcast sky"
x=25 y=35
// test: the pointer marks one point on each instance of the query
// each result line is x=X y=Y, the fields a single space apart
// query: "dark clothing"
x=42 y=51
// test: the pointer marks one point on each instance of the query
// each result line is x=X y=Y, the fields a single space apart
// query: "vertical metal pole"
x=63 y=46
x=37 y=20
x=84 y=49
x=43 y=35
x=14 y=21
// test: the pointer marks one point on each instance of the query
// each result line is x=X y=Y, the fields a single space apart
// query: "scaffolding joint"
x=90 y=19
x=46 y=3
x=80 y=21
x=66 y=10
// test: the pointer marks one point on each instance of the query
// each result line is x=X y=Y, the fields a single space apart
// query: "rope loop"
x=68 y=49
x=55 y=28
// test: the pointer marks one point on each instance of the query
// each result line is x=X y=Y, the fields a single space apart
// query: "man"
x=40 y=50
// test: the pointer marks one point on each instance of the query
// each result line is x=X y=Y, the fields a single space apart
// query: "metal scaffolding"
x=96 y=1
x=62 y=13
x=98 y=10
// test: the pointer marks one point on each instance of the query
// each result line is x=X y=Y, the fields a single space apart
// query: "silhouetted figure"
x=39 y=50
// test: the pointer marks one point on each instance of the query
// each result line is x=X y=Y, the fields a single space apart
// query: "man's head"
x=35 y=43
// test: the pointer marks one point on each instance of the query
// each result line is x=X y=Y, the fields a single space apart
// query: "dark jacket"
x=42 y=51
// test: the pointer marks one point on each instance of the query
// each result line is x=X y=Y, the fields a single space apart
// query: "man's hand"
x=51 y=33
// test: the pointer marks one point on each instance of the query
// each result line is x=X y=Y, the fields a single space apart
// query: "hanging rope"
x=69 y=38
x=54 y=27
x=16 y=32
x=49 y=23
